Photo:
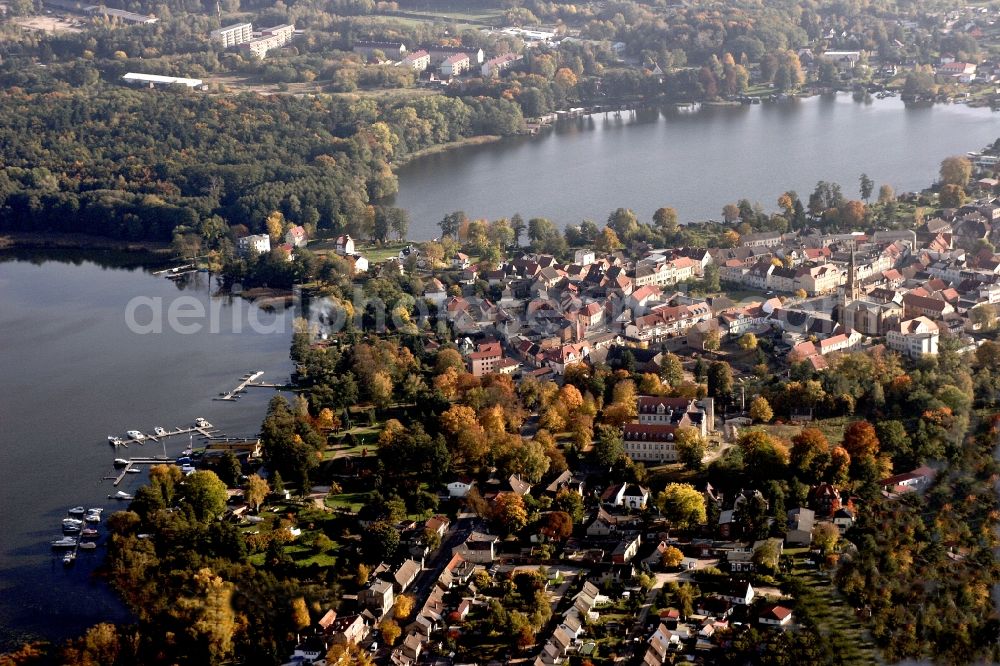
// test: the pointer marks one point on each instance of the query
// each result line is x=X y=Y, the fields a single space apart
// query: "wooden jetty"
x=206 y=431
x=248 y=380
x=174 y=270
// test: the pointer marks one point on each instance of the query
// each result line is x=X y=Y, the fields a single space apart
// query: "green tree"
x=684 y=598
x=951 y=196
x=671 y=370
x=381 y=541
x=624 y=223
x=682 y=504
x=257 y=491
x=748 y=342
x=765 y=557
x=720 y=381
x=866 y=187
x=205 y=494
x=230 y=470
x=609 y=447
x=571 y=502
x=666 y=219
x=690 y=447
x=711 y=279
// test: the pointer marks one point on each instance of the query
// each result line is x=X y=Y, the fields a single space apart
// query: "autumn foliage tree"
x=860 y=439
x=509 y=512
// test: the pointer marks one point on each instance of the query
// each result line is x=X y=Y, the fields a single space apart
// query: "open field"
x=832 y=428
x=51 y=24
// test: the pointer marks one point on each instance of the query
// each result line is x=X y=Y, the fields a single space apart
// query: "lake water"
x=73 y=373
x=695 y=161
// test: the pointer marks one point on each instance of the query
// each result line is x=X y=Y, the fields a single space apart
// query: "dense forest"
x=144 y=165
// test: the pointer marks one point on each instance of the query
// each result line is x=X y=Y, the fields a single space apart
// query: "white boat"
x=64 y=542
x=202 y=423
x=72 y=521
x=121 y=462
x=88 y=545
x=93 y=518
x=88 y=533
x=121 y=495
x=69 y=558
x=133 y=470
x=76 y=511
x=98 y=510
x=135 y=434
x=160 y=431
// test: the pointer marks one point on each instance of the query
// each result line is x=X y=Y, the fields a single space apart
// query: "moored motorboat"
x=133 y=470
x=64 y=542
x=69 y=558
x=93 y=518
x=202 y=423
x=76 y=511
x=136 y=435
x=121 y=495
x=75 y=522
x=96 y=509
x=121 y=462
x=160 y=431
x=88 y=545
x=88 y=533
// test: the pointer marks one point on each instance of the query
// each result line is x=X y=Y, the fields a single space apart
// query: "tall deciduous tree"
x=666 y=219
x=956 y=170
x=760 y=410
x=610 y=447
x=860 y=439
x=205 y=494
x=257 y=491
x=682 y=504
x=690 y=447
x=509 y=512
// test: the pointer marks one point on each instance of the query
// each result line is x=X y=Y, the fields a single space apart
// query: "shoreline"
x=68 y=241
x=479 y=140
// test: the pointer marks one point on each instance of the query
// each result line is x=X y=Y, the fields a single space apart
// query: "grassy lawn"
x=832 y=428
x=833 y=615
x=350 y=501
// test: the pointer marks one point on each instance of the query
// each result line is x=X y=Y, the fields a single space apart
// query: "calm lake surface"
x=695 y=161
x=74 y=373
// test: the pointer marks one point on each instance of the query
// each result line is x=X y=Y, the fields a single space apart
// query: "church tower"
x=852 y=289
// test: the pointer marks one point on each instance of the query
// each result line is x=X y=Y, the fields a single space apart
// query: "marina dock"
x=133 y=462
x=250 y=381
x=206 y=431
x=247 y=381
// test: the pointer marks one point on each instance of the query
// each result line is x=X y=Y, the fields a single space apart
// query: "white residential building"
x=418 y=60
x=233 y=35
x=258 y=243
x=915 y=337
x=455 y=65
x=494 y=66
